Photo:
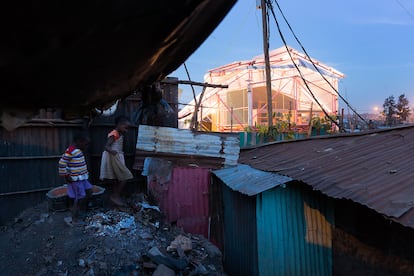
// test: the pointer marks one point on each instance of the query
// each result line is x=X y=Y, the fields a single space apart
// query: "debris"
x=211 y=249
x=103 y=266
x=81 y=263
x=147 y=206
x=180 y=241
x=163 y=270
x=149 y=265
x=159 y=258
x=146 y=236
x=130 y=270
x=112 y=223
x=48 y=259
x=112 y=242
x=68 y=221
x=199 y=270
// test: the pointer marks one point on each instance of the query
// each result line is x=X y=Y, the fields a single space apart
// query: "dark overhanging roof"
x=78 y=57
x=372 y=168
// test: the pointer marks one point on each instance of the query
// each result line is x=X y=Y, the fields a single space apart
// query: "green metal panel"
x=240 y=247
x=294 y=232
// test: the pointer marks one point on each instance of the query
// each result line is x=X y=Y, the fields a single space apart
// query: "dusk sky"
x=370 y=41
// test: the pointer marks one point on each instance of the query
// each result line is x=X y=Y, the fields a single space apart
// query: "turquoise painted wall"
x=294 y=232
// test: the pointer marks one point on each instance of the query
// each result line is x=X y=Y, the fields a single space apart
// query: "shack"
x=347 y=208
x=271 y=225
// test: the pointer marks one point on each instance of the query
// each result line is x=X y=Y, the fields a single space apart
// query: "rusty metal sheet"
x=189 y=143
x=372 y=168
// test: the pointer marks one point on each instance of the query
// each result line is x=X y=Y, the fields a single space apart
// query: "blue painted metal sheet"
x=294 y=232
x=250 y=181
x=240 y=235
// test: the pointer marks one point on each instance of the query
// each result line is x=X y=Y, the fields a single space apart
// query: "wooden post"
x=267 y=64
x=231 y=120
x=194 y=120
x=310 y=120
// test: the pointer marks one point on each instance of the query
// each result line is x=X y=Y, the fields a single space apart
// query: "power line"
x=310 y=59
x=269 y=4
x=405 y=9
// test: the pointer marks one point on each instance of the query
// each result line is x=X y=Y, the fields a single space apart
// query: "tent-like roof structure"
x=285 y=80
x=279 y=59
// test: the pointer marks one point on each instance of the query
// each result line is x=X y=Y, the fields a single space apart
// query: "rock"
x=211 y=267
x=180 y=241
x=199 y=270
x=42 y=272
x=146 y=236
x=48 y=259
x=128 y=270
x=154 y=251
x=149 y=265
x=163 y=270
x=103 y=266
x=211 y=249
x=81 y=263
x=159 y=258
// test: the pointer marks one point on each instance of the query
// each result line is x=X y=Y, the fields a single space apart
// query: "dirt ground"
x=112 y=241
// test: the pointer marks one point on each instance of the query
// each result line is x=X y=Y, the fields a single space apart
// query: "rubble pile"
x=133 y=240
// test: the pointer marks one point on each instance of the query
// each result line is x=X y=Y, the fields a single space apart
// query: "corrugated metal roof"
x=250 y=181
x=186 y=142
x=372 y=168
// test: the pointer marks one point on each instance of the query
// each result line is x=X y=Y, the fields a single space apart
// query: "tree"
x=390 y=109
x=402 y=108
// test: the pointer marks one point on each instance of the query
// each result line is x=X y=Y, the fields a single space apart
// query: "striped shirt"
x=73 y=164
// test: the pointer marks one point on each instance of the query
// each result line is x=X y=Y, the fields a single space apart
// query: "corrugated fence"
x=29 y=159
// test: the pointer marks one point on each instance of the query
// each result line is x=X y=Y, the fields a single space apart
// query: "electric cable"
x=269 y=4
x=405 y=9
x=310 y=59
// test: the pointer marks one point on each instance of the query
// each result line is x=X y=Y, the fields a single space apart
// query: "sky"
x=370 y=41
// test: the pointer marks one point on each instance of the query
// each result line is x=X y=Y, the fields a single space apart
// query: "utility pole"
x=267 y=63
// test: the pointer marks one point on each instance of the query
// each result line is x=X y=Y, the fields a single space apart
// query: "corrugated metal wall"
x=29 y=154
x=240 y=236
x=294 y=231
x=216 y=212
x=28 y=164
x=29 y=157
x=184 y=199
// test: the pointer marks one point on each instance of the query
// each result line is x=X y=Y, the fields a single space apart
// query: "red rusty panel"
x=184 y=199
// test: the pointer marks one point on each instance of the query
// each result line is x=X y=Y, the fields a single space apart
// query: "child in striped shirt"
x=72 y=166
